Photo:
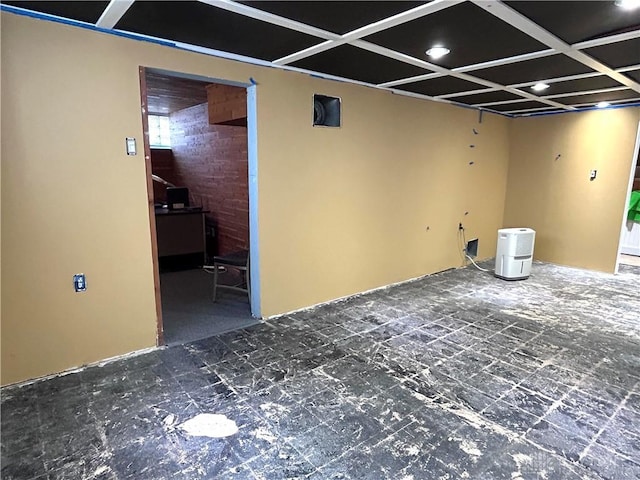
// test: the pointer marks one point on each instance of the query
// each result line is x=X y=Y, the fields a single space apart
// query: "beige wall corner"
x=578 y=221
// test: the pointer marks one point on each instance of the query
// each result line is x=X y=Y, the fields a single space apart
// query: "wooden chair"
x=236 y=261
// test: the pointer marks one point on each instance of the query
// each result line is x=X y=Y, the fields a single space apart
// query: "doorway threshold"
x=190 y=314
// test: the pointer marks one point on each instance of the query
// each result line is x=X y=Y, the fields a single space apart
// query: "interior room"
x=198 y=148
x=431 y=208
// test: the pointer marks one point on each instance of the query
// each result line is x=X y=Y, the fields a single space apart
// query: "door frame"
x=632 y=172
x=252 y=158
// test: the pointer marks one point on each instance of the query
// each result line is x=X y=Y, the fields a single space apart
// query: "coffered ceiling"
x=585 y=52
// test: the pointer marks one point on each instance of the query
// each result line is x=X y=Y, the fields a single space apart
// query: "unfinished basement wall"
x=341 y=210
x=212 y=161
x=577 y=220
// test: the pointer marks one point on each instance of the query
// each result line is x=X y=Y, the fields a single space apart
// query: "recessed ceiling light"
x=538 y=87
x=437 y=52
x=627 y=4
x=603 y=104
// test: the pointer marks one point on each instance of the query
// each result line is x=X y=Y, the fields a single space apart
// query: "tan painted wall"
x=578 y=221
x=341 y=210
x=354 y=212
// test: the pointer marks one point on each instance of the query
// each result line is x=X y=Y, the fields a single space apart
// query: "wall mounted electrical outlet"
x=79 y=282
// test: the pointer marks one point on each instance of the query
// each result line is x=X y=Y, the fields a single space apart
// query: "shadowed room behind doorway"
x=189 y=312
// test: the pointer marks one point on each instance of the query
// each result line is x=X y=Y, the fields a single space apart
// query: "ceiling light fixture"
x=437 y=52
x=538 y=87
x=627 y=4
x=602 y=104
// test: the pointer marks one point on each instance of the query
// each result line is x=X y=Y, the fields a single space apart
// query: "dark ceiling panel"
x=580 y=85
x=498 y=96
x=83 y=11
x=532 y=70
x=440 y=86
x=355 y=63
x=207 y=26
x=464 y=30
x=616 y=55
x=598 y=97
x=577 y=21
x=338 y=17
x=472 y=34
x=527 y=104
x=634 y=75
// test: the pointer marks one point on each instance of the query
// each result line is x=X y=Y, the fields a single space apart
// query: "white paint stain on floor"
x=470 y=448
x=169 y=421
x=520 y=459
x=413 y=450
x=264 y=434
x=210 y=425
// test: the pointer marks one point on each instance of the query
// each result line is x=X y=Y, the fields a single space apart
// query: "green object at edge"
x=634 y=206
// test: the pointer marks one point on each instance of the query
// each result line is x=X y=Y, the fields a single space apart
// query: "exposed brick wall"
x=162 y=165
x=212 y=161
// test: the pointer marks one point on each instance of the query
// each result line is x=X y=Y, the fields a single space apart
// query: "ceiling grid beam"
x=620 y=37
x=327 y=40
x=112 y=14
x=420 y=63
x=524 y=57
x=271 y=18
x=522 y=23
x=529 y=110
x=586 y=92
x=417 y=78
x=469 y=92
x=395 y=20
x=502 y=11
x=507 y=60
x=612 y=102
x=559 y=79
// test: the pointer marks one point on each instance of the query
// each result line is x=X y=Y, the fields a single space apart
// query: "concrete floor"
x=455 y=376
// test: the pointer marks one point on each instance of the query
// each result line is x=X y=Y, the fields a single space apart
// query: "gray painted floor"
x=455 y=376
x=188 y=312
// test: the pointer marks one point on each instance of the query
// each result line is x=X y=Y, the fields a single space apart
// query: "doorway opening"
x=201 y=160
x=629 y=245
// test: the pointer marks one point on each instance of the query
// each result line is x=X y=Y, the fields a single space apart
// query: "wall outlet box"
x=79 y=282
x=472 y=247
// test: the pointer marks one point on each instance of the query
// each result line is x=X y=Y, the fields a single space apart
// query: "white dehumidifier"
x=514 y=254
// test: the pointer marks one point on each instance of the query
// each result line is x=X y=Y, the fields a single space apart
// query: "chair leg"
x=247 y=277
x=247 y=281
x=215 y=281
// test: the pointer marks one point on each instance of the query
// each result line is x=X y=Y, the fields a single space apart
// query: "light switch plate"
x=131 y=146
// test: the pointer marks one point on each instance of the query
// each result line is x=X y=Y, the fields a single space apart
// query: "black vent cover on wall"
x=326 y=111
